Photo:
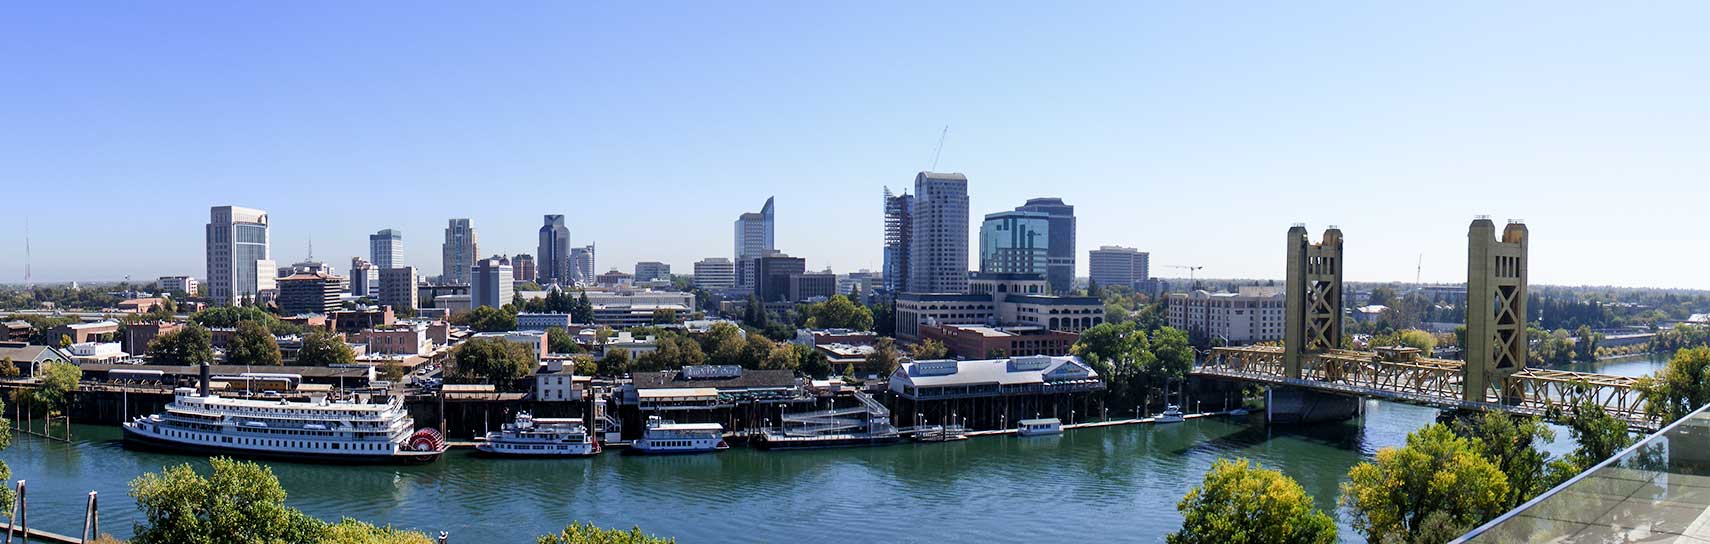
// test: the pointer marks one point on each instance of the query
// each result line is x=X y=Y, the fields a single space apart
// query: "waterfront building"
x=652 y=270
x=523 y=268
x=998 y=299
x=554 y=256
x=1117 y=265
x=543 y=321
x=29 y=357
x=899 y=231
x=754 y=237
x=984 y=342
x=364 y=278
x=715 y=273
x=733 y=395
x=179 y=284
x=556 y=381
x=1250 y=315
x=1060 y=243
x=490 y=283
x=1015 y=242
x=993 y=393
x=309 y=293
x=239 y=255
x=582 y=264
x=398 y=287
x=386 y=249
x=457 y=254
x=938 y=243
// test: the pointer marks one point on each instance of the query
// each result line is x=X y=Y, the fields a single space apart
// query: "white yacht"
x=666 y=436
x=1039 y=427
x=316 y=431
x=1172 y=414
x=530 y=436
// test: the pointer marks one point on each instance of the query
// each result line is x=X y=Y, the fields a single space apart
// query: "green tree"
x=1243 y=503
x=252 y=344
x=813 y=362
x=493 y=360
x=1597 y=435
x=1514 y=444
x=724 y=344
x=664 y=316
x=1585 y=344
x=392 y=371
x=350 y=531
x=578 y=533
x=1436 y=472
x=839 y=313
x=559 y=340
x=64 y=341
x=585 y=364
x=614 y=363
x=583 y=311
x=1680 y=387
x=928 y=349
x=239 y=502
x=490 y=319
x=189 y=345
x=8 y=369
x=59 y=380
x=322 y=348
x=884 y=359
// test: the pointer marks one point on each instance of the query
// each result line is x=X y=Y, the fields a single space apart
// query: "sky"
x=1197 y=131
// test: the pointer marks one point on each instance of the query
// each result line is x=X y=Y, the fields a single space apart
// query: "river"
x=1117 y=484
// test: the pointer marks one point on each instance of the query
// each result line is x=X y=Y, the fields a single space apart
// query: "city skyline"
x=1397 y=124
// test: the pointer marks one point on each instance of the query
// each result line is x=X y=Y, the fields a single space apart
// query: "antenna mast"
x=940 y=150
x=1419 y=270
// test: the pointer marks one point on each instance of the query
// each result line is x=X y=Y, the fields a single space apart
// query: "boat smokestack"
x=202 y=371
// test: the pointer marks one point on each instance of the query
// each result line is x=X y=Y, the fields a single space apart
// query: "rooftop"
x=746 y=378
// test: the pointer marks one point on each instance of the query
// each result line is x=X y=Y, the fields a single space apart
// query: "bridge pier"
x=1288 y=405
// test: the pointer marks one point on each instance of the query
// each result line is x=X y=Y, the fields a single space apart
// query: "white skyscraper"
x=938 y=245
x=386 y=249
x=490 y=284
x=240 y=258
x=753 y=239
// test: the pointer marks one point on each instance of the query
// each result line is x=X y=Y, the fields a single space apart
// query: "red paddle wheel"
x=427 y=440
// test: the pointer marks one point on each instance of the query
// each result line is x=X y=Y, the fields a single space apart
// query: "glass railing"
x=1656 y=491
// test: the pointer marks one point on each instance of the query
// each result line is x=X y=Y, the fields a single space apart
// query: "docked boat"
x=1172 y=414
x=1039 y=427
x=319 y=430
x=665 y=436
x=941 y=433
x=529 y=436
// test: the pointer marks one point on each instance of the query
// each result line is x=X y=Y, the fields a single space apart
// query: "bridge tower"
x=1496 y=308
x=1314 y=299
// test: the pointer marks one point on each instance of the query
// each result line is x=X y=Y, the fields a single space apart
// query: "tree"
x=493 y=360
x=392 y=371
x=8 y=369
x=578 y=533
x=1514 y=444
x=1598 y=436
x=839 y=313
x=239 y=502
x=724 y=343
x=321 y=348
x=190 y=345
x=252 y=344
x=884 y=359
x=1680 y=387
x=585 y=364
x=1585 y=344
x=663 y=316
x=756 y=351
x=1423 y=341
x=928 y=349
x=490 y=319
x=754 y=313
x=1243 y=503
x=558 y=340
x=813 y=362
x=1435 y=472
x=58 y=381
x=583 y=311
x=614 y=363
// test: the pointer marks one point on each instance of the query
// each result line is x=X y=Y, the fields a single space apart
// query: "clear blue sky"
x=1198 y=131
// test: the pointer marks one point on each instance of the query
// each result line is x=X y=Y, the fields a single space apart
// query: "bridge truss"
x=1430 y=382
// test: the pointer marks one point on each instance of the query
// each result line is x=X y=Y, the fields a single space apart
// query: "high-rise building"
x=1252 y=314
x=1015 y=242
x=772 y=275
x=239 y=254
x=652 y=270
x=522 y=267
x=555 y=252
x=938 y=243
x=1117 y=265
x=364 y=278
x=398 y=287
x=490 y=283
x=582 y=264
x=715 y=273
x=386 y=249
x=1060 y=245
x=753 y=239
x=459 y=251
x=309 y=293
x=179 y=284
x=899 y=229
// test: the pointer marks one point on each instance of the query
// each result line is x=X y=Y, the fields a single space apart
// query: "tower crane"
x=1192 y=283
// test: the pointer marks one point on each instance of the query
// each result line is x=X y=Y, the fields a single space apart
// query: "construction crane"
x=1190 y=270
